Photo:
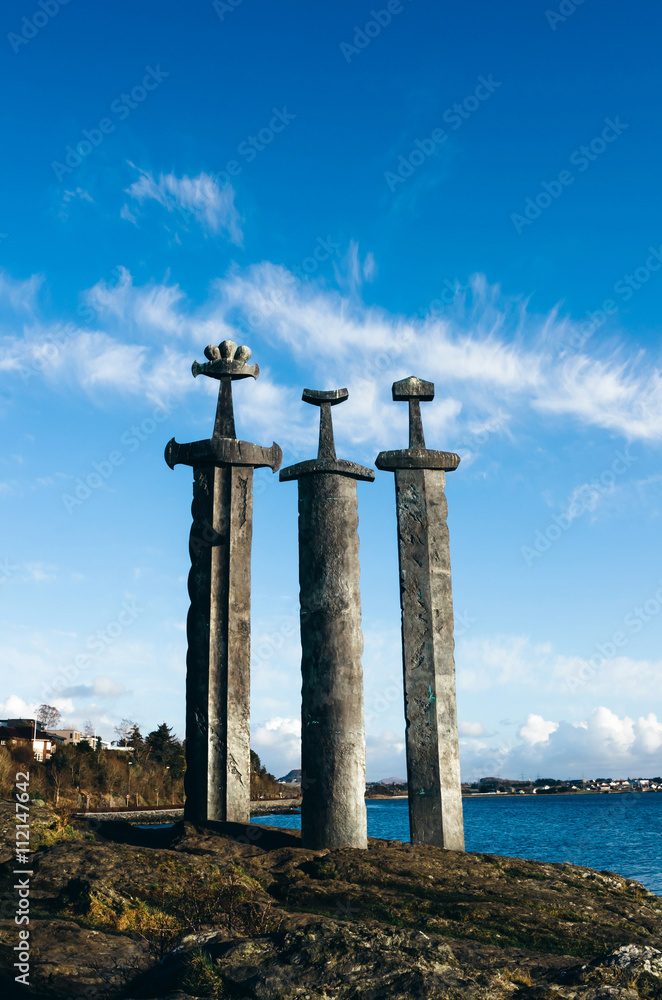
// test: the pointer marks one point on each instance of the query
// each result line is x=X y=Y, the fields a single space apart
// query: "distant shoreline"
x=529 y=795
x=547 y=795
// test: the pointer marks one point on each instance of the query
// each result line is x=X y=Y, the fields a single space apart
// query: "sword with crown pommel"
x=218 y=625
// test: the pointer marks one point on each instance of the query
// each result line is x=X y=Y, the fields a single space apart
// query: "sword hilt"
x=325 y=399
x=226 y=363
x=326 y=460
x=414 y=391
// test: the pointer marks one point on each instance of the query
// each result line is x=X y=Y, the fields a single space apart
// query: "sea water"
x=617 y=832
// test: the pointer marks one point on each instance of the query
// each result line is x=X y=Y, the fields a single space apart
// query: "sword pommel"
x=414 y=391
x=413 y=388
x=226 y=361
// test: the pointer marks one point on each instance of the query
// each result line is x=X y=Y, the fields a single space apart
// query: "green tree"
x=161 y=744
x=137 y=742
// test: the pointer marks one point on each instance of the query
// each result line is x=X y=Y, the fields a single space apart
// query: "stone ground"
x=236 y=912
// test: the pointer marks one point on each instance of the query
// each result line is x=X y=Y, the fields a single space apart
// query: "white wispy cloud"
x=78 y=192
x=127 y=214
x=39 y=572
x=200 y=198
x=470 y=729
x=501 y=660
x=495 y=363
x=20 y=296
x=514 y=661
x=101 y=687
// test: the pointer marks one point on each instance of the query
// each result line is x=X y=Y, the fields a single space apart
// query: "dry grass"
x=201 y=978
x=521 y=977
x=50 y=836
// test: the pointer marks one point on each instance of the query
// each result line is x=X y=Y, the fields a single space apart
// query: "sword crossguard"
x=318 y=397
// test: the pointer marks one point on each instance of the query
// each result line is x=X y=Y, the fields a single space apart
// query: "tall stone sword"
x=433 y=763
x=333 y=810
x=218 y=626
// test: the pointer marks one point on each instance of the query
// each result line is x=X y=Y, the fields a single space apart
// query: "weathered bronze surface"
x=333 y=810
x=433 y=764
x=218 y=625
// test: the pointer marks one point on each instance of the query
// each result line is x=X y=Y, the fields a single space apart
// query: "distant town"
x=394 y=787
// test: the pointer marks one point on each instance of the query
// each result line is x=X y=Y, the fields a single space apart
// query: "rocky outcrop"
x=230 y=911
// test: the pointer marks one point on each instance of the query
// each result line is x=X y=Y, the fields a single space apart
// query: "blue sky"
x=465 y=192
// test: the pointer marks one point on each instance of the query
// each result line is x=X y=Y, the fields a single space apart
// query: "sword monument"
x=433 y=762
x=218 y=625
x=333 y=810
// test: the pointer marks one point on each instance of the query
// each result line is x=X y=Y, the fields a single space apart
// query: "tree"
x=161 y=744
x=124 y=731
x=49 y=716
x=58 y=769
x=262 y=782
x=88 y=728
x=137 y=742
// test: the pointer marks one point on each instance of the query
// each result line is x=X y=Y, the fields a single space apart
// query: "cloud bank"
x=496 y=364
